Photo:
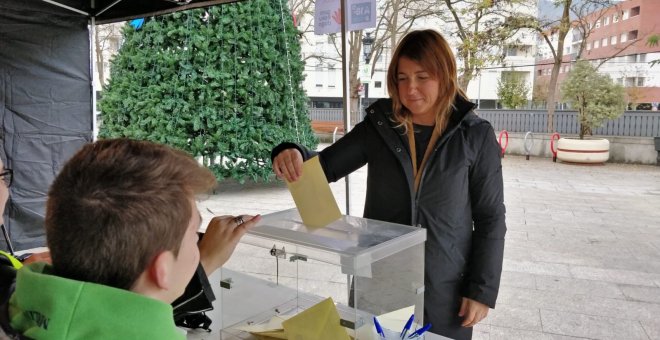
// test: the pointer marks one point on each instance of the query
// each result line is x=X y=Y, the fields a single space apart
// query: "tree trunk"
x=552 y=93
x=99 y=56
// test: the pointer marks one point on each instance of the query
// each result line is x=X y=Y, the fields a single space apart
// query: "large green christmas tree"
x=222 y=83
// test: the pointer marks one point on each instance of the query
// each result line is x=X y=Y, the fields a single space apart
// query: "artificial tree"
x=222 y=83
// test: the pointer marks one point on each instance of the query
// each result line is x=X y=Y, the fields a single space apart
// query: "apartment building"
x=323 y=81
x=617 y=41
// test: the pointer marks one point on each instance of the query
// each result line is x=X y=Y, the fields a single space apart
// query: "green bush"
x=596 y=97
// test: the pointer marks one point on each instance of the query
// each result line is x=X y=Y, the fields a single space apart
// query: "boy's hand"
x=221 y=237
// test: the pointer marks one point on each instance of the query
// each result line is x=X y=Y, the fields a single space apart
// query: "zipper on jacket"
x=421 y=181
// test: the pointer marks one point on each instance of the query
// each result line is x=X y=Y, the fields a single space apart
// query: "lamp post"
x=367 y=42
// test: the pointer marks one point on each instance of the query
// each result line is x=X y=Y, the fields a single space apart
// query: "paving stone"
x=583 y=245
x=537 y=268
x=652 y=329
x=515 y=317
x=506 y=333
x=517 y=279
x=578 y=286
x=589 y=326
x=614 y=275
x=641 y=293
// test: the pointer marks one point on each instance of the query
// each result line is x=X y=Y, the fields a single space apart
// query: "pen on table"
x=379 y=329
x=419 y=332
x=406 y=328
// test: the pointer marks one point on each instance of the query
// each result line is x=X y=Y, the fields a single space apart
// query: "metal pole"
x=479 y=93
x=346 y=90
x=92 y=56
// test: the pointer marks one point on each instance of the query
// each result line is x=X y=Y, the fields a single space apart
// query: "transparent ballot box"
x=282 y=267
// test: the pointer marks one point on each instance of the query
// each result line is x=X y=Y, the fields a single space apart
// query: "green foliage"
x=223 y=84
x=596 y=97
x=512 y=90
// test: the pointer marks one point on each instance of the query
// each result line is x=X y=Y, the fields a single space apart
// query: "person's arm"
x=338 y=160
x=482 y=278
x=220 y=240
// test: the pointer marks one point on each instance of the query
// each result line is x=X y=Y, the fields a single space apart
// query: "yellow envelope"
x=314 y=200
x=319 y=322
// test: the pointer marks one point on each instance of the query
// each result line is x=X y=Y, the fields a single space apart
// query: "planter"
x=575 y=150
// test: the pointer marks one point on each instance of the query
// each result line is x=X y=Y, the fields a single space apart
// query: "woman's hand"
x=472 y=311
x=287 y=165
x=221 y=237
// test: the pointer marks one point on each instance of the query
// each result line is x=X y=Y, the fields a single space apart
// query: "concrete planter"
x=588 y=150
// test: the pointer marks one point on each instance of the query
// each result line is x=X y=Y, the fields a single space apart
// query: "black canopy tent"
x=46 y=93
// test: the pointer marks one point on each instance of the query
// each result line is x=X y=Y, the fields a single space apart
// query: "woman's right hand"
x=287 y=165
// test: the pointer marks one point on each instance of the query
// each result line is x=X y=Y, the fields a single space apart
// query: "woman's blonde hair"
x=432 y=52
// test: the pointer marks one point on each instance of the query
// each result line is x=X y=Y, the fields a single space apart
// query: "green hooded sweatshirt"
x=45 y=306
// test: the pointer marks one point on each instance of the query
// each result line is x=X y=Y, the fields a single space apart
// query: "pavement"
x=582 y=254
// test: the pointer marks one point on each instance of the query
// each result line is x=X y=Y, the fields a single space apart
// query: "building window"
x=332 y=79
x=514 y=51
x=603 y=42
x=597 y=44
x=607 y=21
x=588 y=46
x=597 y=23
x=613 y=40
x=378 y=84
x=630 y=81
x=624 y=37
x=318 y=71
x=626 y=14
x=632 y=35
x=540 y=72
x=634 y=11
x=640 y=81
x=641 y=57
x=615 y=17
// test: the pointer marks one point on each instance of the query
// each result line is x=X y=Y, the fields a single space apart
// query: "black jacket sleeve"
x=488 y=215
x=339 y=159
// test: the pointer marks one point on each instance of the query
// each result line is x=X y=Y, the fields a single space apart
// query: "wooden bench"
x=320 y=126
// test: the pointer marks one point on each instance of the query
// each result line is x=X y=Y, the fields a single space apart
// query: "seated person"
x=121 y=227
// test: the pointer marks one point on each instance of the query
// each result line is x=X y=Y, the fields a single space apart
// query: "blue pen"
x=419 y=332
x=379 y=329
x=406 y=328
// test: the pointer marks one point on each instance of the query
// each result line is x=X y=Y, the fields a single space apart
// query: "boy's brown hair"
x=118 y=203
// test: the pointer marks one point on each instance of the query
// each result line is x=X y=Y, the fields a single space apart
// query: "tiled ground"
x=582 y=257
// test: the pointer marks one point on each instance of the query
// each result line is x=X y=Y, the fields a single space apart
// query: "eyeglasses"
x=7 y=176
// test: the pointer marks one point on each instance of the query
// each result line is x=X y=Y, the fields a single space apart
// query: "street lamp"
x=367 y=42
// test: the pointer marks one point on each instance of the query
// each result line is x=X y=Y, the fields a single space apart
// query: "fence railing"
x=630 y=124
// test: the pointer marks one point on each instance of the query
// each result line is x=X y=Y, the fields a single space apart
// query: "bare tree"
x=107 y=39
x=395 y=19
x=484 y=29
x=550 y=28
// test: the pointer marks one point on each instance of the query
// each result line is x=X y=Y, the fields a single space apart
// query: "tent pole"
x=67 y=7
x=346 y=89
x=92 y=57
x=108 y=7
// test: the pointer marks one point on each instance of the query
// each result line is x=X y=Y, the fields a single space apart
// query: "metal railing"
x=630 y=124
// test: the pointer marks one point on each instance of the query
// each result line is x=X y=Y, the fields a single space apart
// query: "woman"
x=433 y=164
